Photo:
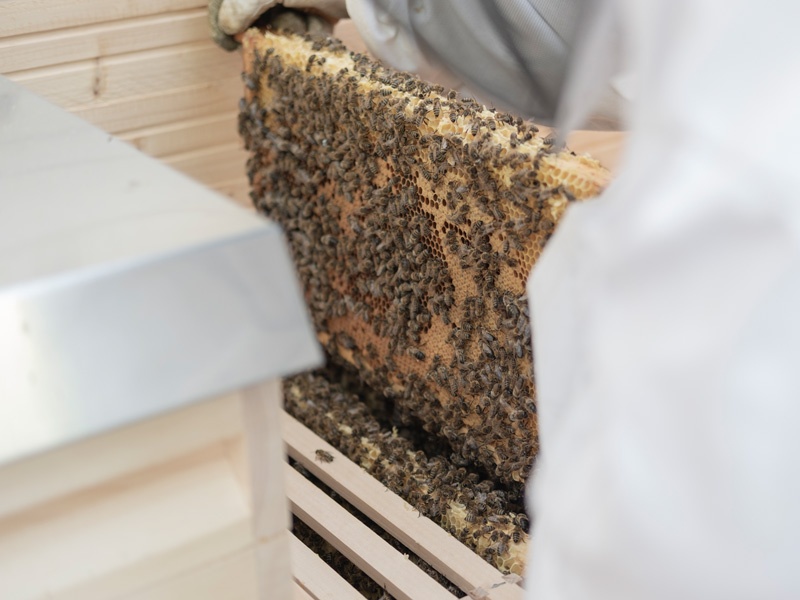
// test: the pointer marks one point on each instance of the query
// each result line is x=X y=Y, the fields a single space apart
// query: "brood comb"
x=414 y=219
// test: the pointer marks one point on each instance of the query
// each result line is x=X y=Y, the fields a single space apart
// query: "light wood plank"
x=261 y=412
x=128 y=75
x=273 y=568
x=107 y=39
x=347 y=31
x=159 y=523
x=99 y=459
x=390 y=569
x=185 y=136
x=316 y=577
x=220 y=163
x=605 y=146
x=231 y=578
x=237 y=190
x=300 y=593
x=419 y=534
x=148 y=110
x=27 y=16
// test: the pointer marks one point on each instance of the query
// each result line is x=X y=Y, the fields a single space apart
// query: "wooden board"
x=163 y=107
x=107 y=79
x=208 y=165
x=26 y=16
x=88 y=463
x=161 y=522
x=47 y=48
x=419 y=534
x=400 y=577
x=186 y=136
x=605 y=146
x=237 y=190
x=316 y=578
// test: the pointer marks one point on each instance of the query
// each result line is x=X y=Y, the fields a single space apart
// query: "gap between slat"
x=316 y=577
x=363 y=547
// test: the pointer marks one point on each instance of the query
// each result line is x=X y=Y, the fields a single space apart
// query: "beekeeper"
x=666 y=313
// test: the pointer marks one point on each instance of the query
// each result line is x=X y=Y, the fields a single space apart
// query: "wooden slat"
x=195 y=500
x=315 y=577
x=232 y=577
x=390 y=569
x=128 y=75
x=162 y=107
x=90 y=462
x=185 y=136
x=237 y=190
x=605 y=146
x=261 y=412
x=421 y=535
x=220 y=163
x=27 y=16
x=300 y=593
x=347 y=31
x=107 y=39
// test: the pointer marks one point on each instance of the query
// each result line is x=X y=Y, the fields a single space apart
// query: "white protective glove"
x=666 y=327
x=237 y=15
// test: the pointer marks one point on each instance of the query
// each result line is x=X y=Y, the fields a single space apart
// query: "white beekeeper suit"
x=666 y=313
x=666 y=321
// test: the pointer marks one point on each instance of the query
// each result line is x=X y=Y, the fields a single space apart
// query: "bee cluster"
x=414 y=218
x=485 y=518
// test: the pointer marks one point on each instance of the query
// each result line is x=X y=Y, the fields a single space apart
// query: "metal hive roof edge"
x=126 y=289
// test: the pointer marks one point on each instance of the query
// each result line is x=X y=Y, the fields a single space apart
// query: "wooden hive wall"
x=144 y=70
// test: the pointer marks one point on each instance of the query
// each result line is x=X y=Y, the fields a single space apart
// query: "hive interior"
x=484 y=517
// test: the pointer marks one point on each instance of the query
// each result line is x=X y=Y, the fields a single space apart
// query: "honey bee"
x=417 y=353
x=323 y=456
x=420 y=119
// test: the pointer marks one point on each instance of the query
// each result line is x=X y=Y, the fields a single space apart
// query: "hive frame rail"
x=368 y=551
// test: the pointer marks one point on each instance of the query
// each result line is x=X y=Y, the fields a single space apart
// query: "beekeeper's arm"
x=666 y=327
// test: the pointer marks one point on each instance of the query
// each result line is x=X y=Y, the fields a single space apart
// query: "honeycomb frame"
x=414 y=218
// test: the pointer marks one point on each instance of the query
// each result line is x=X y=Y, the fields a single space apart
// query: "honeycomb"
x=414 y=218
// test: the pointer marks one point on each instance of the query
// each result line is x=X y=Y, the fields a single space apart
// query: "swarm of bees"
x=414 y=218
x=470 y=508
